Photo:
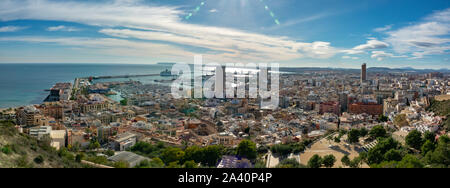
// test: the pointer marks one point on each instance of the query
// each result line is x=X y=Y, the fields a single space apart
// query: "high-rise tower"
x=363 y=73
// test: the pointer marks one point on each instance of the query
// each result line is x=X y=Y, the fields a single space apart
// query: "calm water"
x=23 y=84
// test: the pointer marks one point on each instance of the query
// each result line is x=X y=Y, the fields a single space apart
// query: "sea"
x=25 y=84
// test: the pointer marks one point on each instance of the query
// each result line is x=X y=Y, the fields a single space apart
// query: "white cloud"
x=428 y=37
x=371 y=45
x=63 y=28
x=349 y=57
x=297 y=21
x=380 y=55
x=163 y=23
x=107 y=46
x=10 y=29
x=352 y=51
x=382 y=29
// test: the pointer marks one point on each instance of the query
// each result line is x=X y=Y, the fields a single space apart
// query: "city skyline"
x=294 y=34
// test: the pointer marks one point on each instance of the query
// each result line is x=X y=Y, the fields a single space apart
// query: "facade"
x=363 y=73
x=103 y=133
x=94 y=107
x=53 y=109
x=40 y=132
x=368 y=108
x=59 y=92
x=343 y=101
x=389 y=106
x=28 y=116
x=59 y=138
x=330 y=107
x=123 y=141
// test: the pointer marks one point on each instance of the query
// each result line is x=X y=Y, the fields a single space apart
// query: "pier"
x=123 y=76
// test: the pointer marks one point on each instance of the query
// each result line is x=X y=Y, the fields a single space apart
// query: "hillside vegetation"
x=441 y=108
x=19 y=150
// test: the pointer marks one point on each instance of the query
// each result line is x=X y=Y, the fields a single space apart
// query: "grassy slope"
x=23 y=149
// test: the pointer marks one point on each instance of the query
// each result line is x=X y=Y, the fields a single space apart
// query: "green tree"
x=429 y=136
x=345 y=160
x=427 y=147
x=337 y=139
x=383 y=118
x=190 y=164
x=328 y=161
x=247 y=149
x=94 y=145
x=356 y=162
x=393 y=155
x=315 y=161
x=353 y=136
x=173 y=164
x=263 y=149
x=414 y=139
x=194 y=153
x=440 y=157
x=172 y=154
x=363 y=132
x=376 y=154
x=156 y=163
x=212 y=154
x=377 y=132
x=109 y=153
x=410 y=161
x=124 y=102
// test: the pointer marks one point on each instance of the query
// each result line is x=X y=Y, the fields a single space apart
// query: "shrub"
x=39 y=159
x=6 y=150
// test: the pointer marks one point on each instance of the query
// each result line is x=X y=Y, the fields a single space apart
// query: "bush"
x=109 y=153
x=39 y=159
x=281 y=149
x=290 y=163
x=79 y=157
x=121 y=164
x=22 y=162
x=6 y=150
x=190 y=164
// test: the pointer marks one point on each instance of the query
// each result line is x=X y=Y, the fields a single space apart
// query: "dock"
x=123 y=76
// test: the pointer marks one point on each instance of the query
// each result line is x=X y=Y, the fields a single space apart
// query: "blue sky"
x=320 y=33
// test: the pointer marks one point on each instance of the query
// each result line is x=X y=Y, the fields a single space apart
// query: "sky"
x=294 y=33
